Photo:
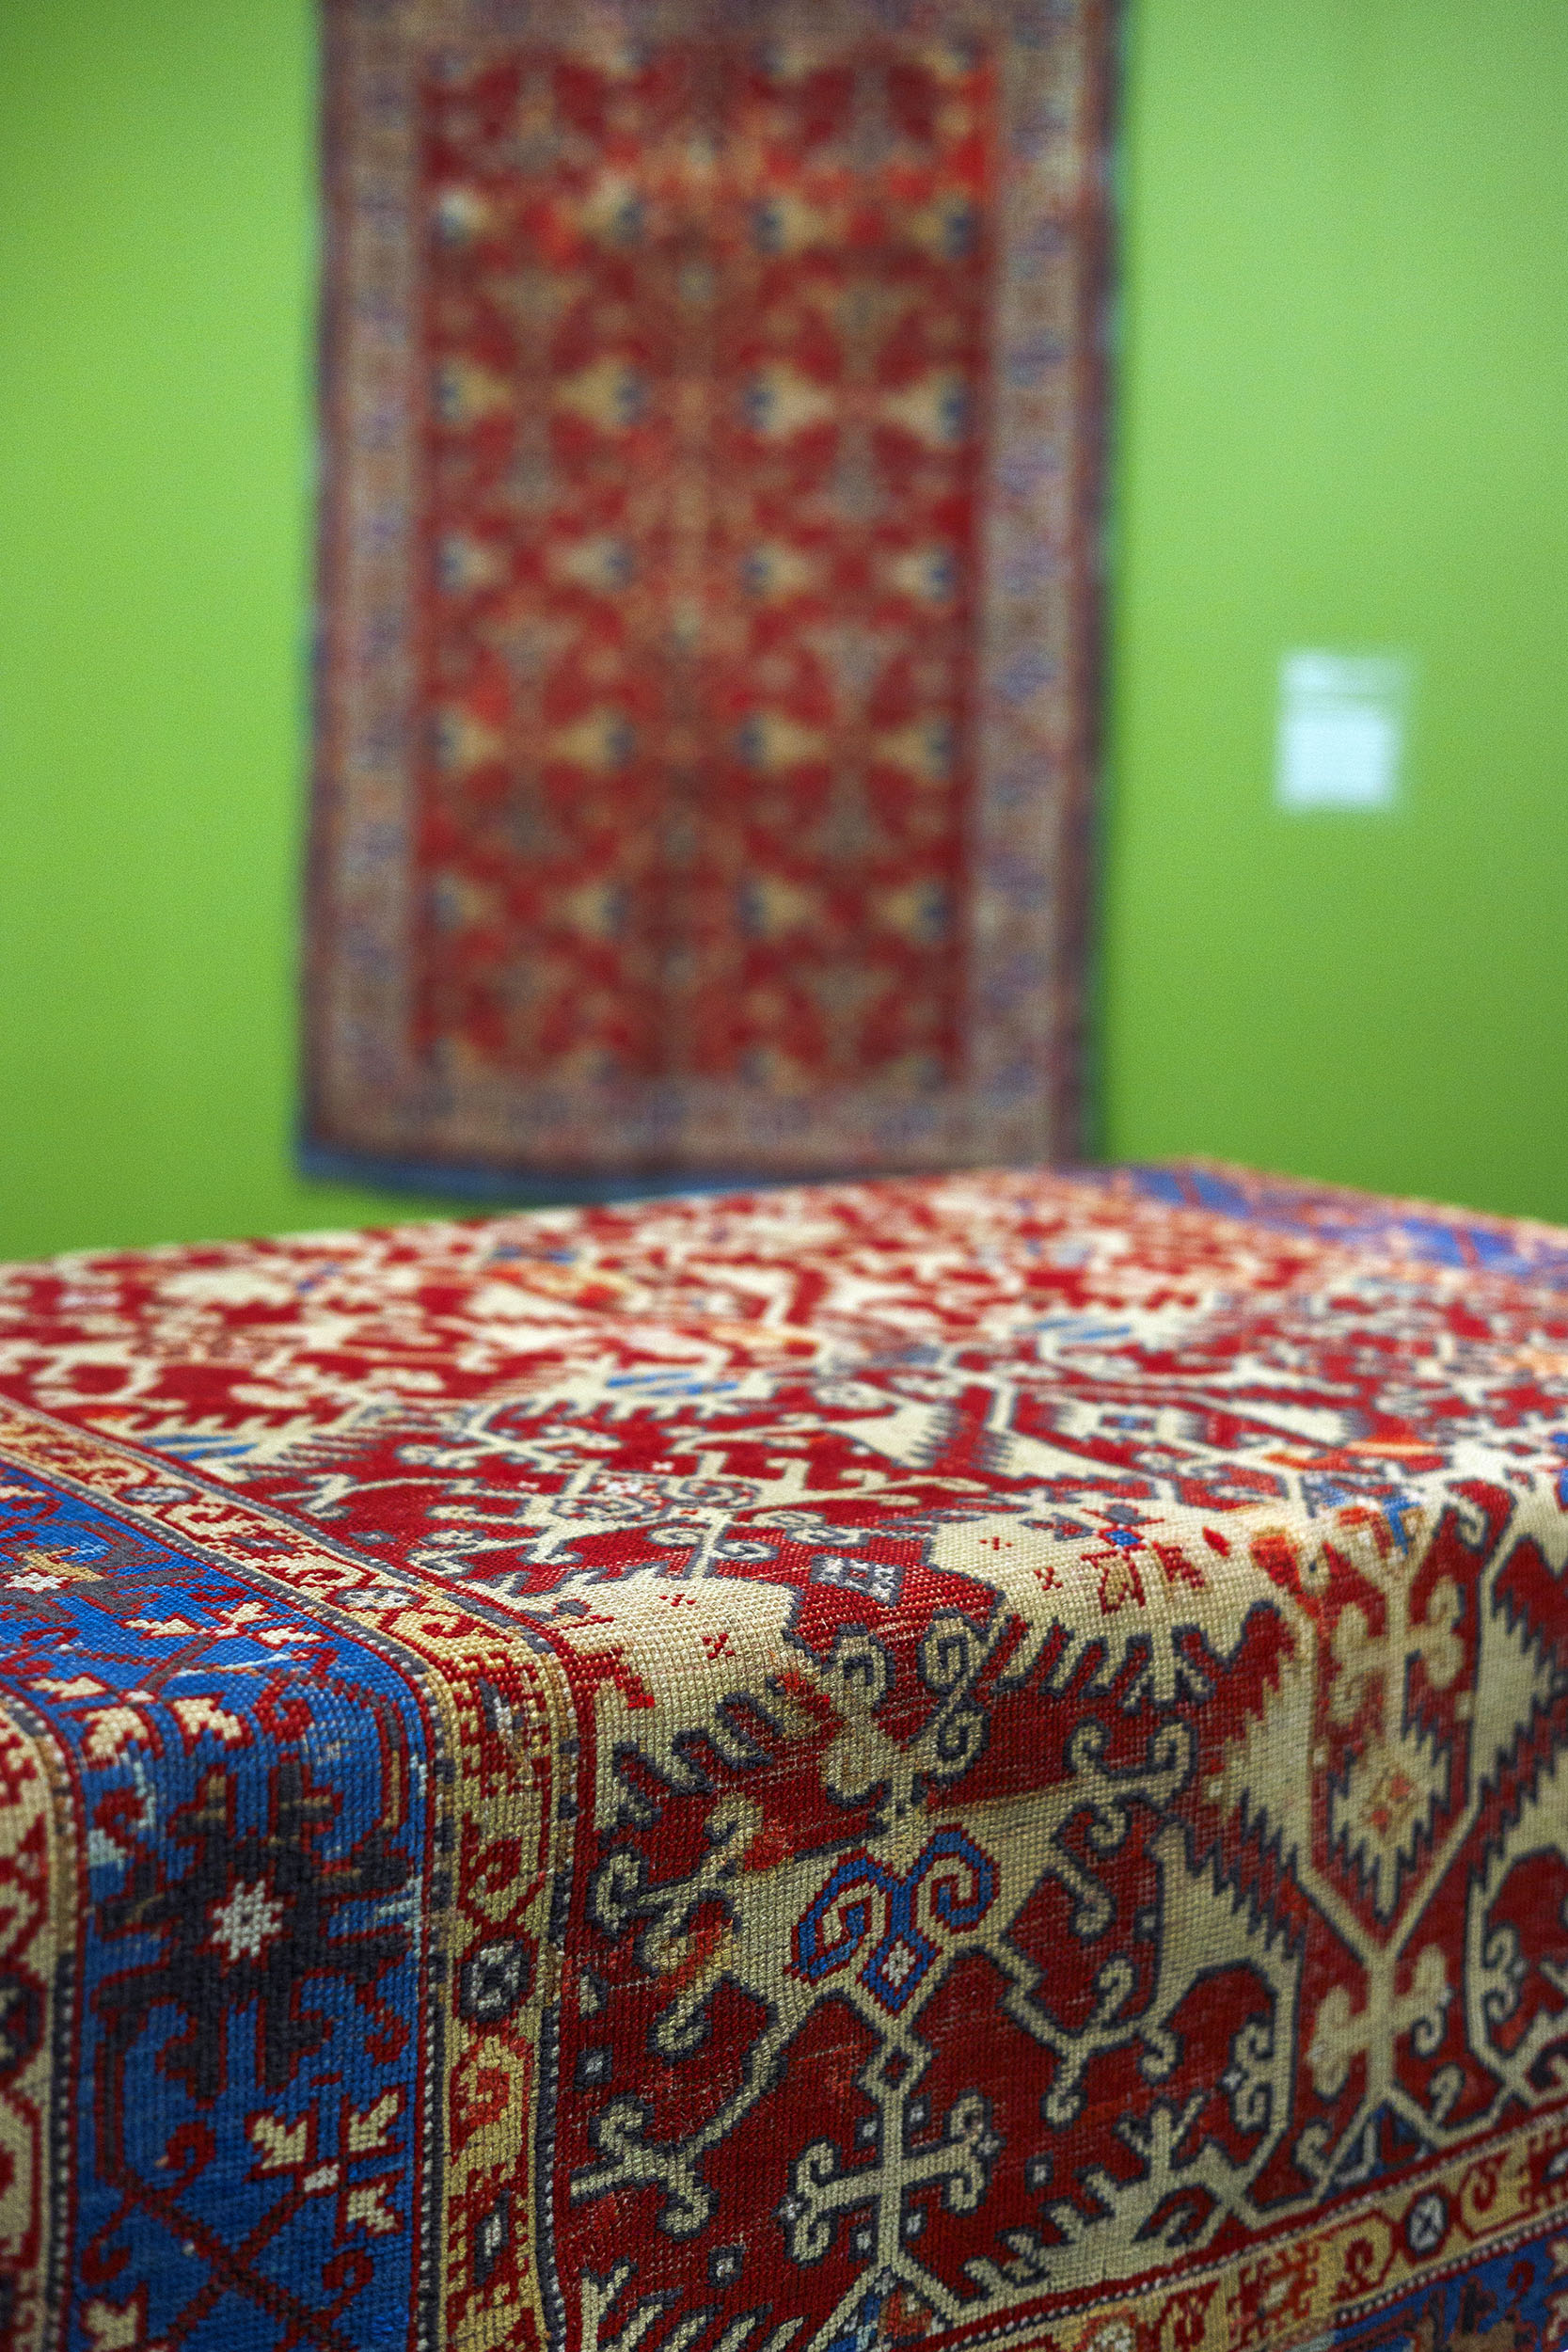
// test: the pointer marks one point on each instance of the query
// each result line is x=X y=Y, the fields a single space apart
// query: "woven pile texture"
x=708 y=581
x=959 y=1761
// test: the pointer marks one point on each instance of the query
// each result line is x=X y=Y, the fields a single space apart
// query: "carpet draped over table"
x=973 y=1761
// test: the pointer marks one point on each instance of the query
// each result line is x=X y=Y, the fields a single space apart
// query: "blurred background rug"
x=709 y=554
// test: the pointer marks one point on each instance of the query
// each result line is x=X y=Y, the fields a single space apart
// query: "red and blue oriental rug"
x=974 y=1764
x=708 y=558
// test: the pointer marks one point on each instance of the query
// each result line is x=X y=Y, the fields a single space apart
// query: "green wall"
x=1344 y=421
x=157 y=164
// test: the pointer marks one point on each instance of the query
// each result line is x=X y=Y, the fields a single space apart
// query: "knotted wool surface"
x=966 y=1762
x=708 y=561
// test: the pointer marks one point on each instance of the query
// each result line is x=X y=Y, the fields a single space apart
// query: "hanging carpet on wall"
x=712 y=412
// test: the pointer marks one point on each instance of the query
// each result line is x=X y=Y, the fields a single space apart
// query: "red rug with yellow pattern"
x=708 y=562
x=971 y=1764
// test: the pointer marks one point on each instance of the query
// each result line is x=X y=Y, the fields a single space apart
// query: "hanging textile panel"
x=707 y=563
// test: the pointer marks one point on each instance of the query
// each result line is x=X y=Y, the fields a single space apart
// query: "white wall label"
x=1340 y=741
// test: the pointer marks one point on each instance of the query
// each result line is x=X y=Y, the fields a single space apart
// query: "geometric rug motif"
x=958 y=1763
x=708 y=558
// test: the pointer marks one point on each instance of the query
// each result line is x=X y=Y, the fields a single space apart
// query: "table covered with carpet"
x=959 y=1761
